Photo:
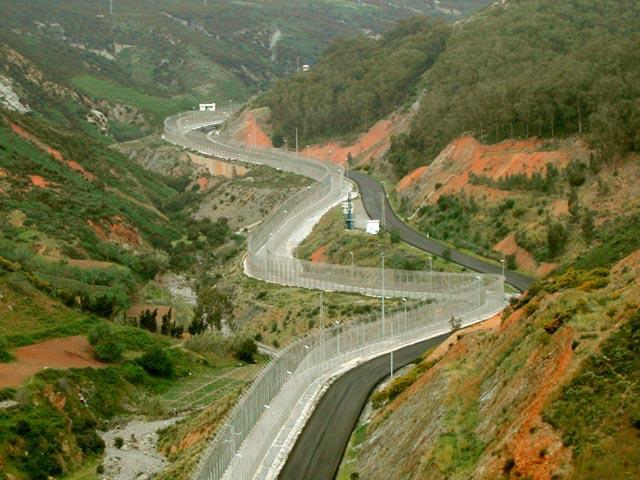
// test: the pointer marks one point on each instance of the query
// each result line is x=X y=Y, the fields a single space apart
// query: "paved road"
x=372 y=191
x=321 y=445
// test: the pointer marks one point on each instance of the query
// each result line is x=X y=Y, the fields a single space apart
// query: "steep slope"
x=356 y=83
x=532 y=68
x=534 y=201
x=537 y=396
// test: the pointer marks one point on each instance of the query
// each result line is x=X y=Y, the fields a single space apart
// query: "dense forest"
x=357 y=82
x=527 y=68
x=533 y=68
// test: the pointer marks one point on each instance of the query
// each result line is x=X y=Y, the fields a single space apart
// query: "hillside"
x=121 y=74
x=356 y=83
x=532 y=68
x=540 y=203
x=548 y=391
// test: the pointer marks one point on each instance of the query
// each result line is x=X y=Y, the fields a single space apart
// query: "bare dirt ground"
x=372 y=143
x=59 y=353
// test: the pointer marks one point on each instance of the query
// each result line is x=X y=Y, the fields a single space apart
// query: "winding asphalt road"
x=372 y=191
x=321 y=445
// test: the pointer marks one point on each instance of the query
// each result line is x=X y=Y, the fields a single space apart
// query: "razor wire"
x=246 y=437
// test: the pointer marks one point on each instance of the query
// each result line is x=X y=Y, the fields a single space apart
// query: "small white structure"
x=373 y=227
x=305 y=67
x=207 y=107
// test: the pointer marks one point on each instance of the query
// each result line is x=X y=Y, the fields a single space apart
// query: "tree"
x=587 y=225
x=165 y=328
x=149 y=320
x=556 y=238
x=574 y=206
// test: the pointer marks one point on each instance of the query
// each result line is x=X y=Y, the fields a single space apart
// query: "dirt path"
x=59 y=353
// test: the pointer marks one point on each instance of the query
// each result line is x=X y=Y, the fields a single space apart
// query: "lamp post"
x=307 y=347
x=338 y=336
x=404 y=301
x=382 y=292
x=353 y=265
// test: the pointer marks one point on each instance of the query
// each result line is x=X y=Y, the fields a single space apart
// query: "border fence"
x=240 y=446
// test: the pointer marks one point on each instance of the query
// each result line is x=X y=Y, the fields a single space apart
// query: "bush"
x=118 y=442
x=90 y=442
x=134 y=373
x=108 y=351
x=5 y=356
x=156 y=362
x=245 y=350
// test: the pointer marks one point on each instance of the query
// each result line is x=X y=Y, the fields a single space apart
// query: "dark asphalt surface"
x=318 y=452
x=372 y=191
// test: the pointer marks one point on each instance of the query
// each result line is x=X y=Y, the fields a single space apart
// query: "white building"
x=207 y=107
x=373 y=227
x=305 y=68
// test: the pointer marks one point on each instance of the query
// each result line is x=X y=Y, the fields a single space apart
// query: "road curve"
x=371 y=191
x=321 y=445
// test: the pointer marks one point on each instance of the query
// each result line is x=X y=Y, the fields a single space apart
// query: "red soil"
x=118 y=231
x=524 y=259
x=203 y=182
x=466 y=155
x=411 y=178
x=533 y=435
x=39 y=181
x=320 y=255
x=59 y=353
x=373 y=143
x=252 y=134
x=52 y=151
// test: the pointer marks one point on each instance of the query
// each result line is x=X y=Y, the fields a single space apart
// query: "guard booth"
x=207 y=107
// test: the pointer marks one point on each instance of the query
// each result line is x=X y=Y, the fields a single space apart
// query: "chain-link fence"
x=447 y=300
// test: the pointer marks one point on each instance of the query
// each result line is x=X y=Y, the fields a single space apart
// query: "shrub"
x=245 y=350
x=134 y=373
x=5 y=356
x=156 y=362
x=118 y=442
x=108 y=351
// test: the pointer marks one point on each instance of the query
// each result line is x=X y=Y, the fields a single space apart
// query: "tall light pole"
x=110 y=7
x=353 y=265
x=430 y=273
x=404 y=300
x=322 y=324
x=338 y=336
x=307 y=348
x=382 y=210
x=382 y=292
x=296 y=139
x=502 y=269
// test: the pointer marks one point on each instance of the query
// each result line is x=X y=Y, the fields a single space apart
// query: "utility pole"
x=382 y=214
x=296 y=140
x=110 y=7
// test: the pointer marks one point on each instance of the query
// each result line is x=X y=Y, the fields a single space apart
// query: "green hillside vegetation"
x=162 y=57
x=533 y=68
x=126 y=215
x=588 y=309
x=357 y=82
